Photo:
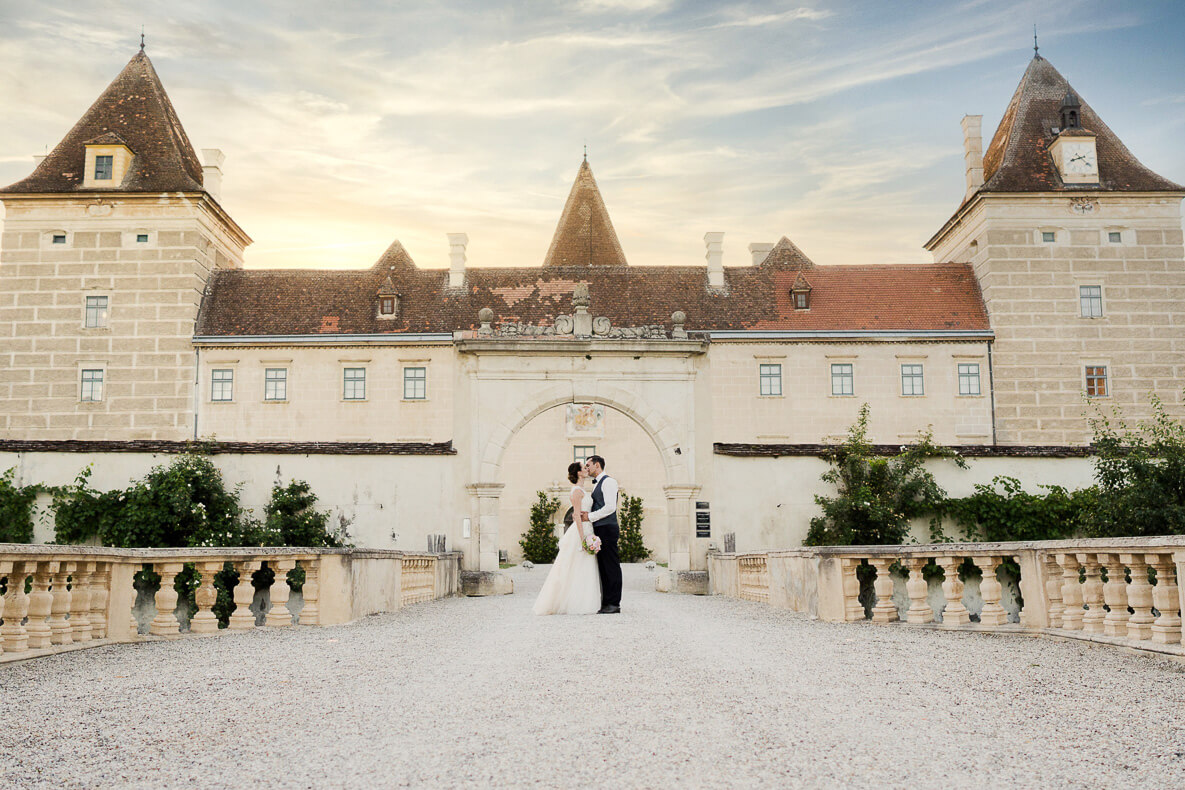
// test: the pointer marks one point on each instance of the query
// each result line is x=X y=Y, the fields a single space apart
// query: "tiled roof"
x=134 y=111
x=845 y=298
x=585 y=235
x=1018 y=159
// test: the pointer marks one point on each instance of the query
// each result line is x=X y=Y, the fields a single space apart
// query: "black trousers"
x=609 y=565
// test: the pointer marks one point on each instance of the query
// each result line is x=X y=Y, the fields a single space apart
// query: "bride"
x=573 y=586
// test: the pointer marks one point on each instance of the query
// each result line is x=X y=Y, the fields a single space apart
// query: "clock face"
x=1079 y=159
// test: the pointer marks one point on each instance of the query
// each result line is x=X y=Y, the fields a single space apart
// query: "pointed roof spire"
x=1036 y=54
x=585 y=235
x=141 y=38
x=136 y=109
x=786 y=254
x=1018 y=160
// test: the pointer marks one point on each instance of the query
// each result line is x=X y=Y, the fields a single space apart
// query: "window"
x=1096 y=381
x=841 y=379
x=96 y=311
x=59 y=238
x=103 y=167
x=1090 y=297
x=387 y=305
x=222 y=385
x=141 y=238
x=92 y=386
x=801 y=300
x=1048 y=236
x=969 y=378
x=582 y=452
x=415 y=383
x=911 y=380
x=354 y=384
x=275 y=384
x=771 y=379
x=1114 y=236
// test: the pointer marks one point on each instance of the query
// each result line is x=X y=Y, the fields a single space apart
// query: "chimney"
x=715 y=255
x=973 y=152
x=457 y=242
x=212 y=171
x=759 y=250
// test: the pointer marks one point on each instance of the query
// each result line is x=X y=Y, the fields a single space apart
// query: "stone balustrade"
x=1121 y=591
x=63 y=597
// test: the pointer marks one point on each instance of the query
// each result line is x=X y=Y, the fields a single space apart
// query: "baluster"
x=61 y=631
x=311 y=613
x=279 y=616
x=853 y=610
x=5 y=570
x=990 y=590
x=1115 y=596
x=41 y=605
x=16 y=637
x=1092 y=594
x=954 y=614
x=1139 y=597
x=243 y=619
x=80 y=601
x=1167 y=628
x=1071 y=592
x=166 y=623
x=919 y=609
x=134 y=624
x=1053 y=591
x=1021 y=615
x=204 y=621
x=100 y=588
x=885 y=610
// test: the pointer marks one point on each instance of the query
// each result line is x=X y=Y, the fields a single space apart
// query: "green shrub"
x=1011 y=513
x=292 y=520
x=16 y=509
x=629 y=517
x=539 y=543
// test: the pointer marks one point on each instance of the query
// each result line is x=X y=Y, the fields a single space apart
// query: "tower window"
x=1115 y=237
x=59 y=238
x=141 y=238
x=103 y=167
x=92 y=386
x=96 y=312
x=1048 y=236
x=1090 y=300
x=1096 y=381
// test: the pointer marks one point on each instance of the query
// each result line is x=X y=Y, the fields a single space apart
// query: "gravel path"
x=701 y=692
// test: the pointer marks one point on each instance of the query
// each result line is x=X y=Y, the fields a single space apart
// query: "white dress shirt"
x=609 y=491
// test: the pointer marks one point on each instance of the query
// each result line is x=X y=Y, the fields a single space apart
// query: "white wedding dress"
x=573 y=586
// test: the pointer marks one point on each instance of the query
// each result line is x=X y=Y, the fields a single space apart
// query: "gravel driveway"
x=677 y=691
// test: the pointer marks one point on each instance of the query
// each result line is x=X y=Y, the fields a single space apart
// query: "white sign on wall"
x=585 y=421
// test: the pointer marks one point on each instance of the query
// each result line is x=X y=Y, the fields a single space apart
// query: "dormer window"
x=388 y=299
x=103 y=166
x=387 y=305
x=801 y=301
x=800 y=293
x=107 y=161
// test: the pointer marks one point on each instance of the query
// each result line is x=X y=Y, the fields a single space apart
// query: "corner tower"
x=107 y=246
x=1077 y=247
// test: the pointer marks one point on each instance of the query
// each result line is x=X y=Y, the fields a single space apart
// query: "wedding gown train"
x=573 y=585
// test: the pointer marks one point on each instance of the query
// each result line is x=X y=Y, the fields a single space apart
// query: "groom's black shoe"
x=610 y=610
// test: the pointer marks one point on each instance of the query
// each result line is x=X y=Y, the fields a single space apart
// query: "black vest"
x=598 y=502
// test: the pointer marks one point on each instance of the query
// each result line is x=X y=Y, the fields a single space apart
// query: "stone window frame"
x=1059 y=235
x=769 y=379
x=1127 y=236
x=215 y=379
x=977 y=377
x=92 y=366
x=269 y=367
x=917 y=379
x=106 y=324
x=1101 y=297
x=1088 y=365
x=130 y=238
x=408 y=367
x=48 y=243
x=350 y=394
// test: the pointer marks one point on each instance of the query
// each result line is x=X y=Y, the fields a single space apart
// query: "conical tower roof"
x=134 y=110
x=585 y=235
x=1018 y=158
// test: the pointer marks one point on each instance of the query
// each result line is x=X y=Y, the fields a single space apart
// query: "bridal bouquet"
x=592 y=544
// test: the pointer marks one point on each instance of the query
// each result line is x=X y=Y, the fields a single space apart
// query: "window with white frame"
x=354 y=384
x=1096 y=381
x=842 y=379
x=275 y=384
x=222 y=384
x=969 y=378
x=582 y=452
x=415 y=383
x=770 y=378
x=912 y=380
x=1090 y=300
x=92 y=385
x=96 y=312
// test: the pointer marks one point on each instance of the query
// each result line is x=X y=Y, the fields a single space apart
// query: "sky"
x=349 y=125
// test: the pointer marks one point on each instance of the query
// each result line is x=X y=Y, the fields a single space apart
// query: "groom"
x=604 y=521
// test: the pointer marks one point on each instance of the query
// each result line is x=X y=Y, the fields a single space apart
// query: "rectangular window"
x=222 y=385
x=911 y=380
x=415 y=383
x=841 y=379
x=92 y=386
x=387 y=305
x=1096 y=381
x=969 y=378
x=96 y=311
x=582 y=452
x=275 y=384
x=771 y=379
x=354 y=384
x=59 y=238
x=1048 y=236
x=1115 y=237
x=1090 y=297
x=103 y=168
x=141 y=238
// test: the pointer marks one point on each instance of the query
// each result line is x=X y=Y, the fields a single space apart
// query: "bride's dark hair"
x=574 y=471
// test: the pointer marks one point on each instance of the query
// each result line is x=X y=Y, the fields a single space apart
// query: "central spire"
x=585 y=235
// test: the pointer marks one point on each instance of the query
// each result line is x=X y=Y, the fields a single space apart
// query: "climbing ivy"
x=16 y=509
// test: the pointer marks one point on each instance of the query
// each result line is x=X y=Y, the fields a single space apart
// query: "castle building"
x=426 y=401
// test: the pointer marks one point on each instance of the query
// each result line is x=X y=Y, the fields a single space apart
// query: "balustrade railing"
x=59 y=597
x=1121 y=591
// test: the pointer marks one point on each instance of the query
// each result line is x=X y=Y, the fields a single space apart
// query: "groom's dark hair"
x=596 y=459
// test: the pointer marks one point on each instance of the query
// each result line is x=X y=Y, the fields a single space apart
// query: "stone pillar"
x=279 y=616
x=204 y=621
x=680 y=525
x=1115 y=596
x=41 y=605
x=311 y=613
x=80 y=602
x=1139 y=596
x=16 y=605
x=1071 y=592
x=1166 y=597
x=59 y=626
x=853 y=609
x=165 y=623
x=955 y=614
x=1053 y=591
x=488 y=501
x=885 y=610
x=243 y=619
x=100 y=590
x=919 y=610
x=1092 y=594
x=990 y=590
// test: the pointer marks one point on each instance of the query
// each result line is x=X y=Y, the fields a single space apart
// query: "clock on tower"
x=1073 y=149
